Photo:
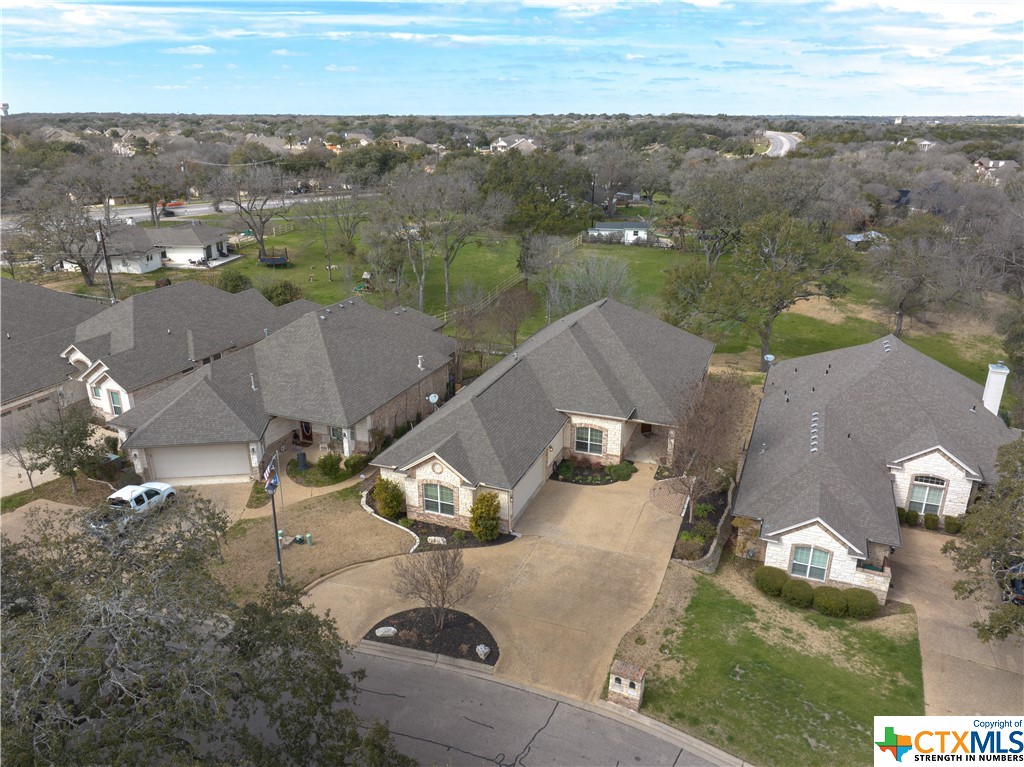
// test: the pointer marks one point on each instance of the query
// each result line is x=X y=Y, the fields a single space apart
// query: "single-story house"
x=843 y=438
x=625 y=232
x=339 y=378
x=187 y=243
x=138 y=346
x=128 y=249
x=869 y=239
x=404 y=142
x=520 y=143
x=585 y=386
x=38 y=323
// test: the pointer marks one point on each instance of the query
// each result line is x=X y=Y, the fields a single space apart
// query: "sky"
x=480 y=57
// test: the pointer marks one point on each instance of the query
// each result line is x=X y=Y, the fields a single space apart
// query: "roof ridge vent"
x=886 y=345
x=814 y=432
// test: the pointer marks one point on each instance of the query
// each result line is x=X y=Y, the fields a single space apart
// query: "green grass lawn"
x=775 y=703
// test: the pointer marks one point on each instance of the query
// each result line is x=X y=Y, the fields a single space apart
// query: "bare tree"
x=257 y=195
x=590 y=279
x=513 y=308
x=386 y=258
x=436 y=578
x=336 y=220
x=17 y=452
x=404 y=213
x=540 y=259
x=59 y=228
x=469 y=318
x=708 y=434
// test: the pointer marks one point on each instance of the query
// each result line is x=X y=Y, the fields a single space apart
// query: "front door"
x=307 y=431
x=645 y=428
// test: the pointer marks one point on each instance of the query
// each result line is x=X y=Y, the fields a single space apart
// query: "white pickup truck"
x=129 y=503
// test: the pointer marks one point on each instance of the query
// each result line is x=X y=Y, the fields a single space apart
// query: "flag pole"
x=270 y=476
x=280 y=485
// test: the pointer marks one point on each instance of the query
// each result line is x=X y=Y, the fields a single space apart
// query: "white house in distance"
x=624 y=232
x=843 y=438
x=339 y=378
x=128 y=249
x=584 y=386
x=187 y=243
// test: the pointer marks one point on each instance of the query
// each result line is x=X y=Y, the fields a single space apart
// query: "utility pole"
x=106 y=261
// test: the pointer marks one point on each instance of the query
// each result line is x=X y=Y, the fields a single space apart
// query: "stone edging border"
x=371 y=512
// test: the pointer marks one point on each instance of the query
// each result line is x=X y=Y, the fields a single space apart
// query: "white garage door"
x=528 y=486
x=200 y=464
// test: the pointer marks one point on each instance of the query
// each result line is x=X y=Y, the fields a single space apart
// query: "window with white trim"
x=438 y=499
x=809 y=562
x=115 y=402
x=337 y=433
x=589 y=440
x=96 y=392
x=926 y=494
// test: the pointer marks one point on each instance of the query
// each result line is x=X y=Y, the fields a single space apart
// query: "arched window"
x=926 y=494
x=589 y=440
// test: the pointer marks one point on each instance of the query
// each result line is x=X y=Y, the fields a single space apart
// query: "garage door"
x=528 y=486
x=200 y=464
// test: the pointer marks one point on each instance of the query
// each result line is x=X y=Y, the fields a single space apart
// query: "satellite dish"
x=432 y=399
x=769 y=358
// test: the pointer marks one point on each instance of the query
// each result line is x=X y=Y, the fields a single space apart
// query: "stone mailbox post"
x=626 y=685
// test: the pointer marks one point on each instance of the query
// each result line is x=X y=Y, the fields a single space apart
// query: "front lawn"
x=774 y=685
x=90 y=493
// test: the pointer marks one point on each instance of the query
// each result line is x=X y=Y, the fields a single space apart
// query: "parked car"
x=131 y=502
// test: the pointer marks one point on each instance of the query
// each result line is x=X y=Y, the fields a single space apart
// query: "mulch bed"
x=426 y=529
x=718 y=503
x=459 y=639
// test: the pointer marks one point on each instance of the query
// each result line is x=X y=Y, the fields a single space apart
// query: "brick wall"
x=959 y=488
x=613 y=442
x=401 y=409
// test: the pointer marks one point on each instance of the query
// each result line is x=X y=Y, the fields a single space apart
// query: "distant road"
x=781 y=143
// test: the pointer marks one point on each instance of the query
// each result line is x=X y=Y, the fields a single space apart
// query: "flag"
x=270 y=477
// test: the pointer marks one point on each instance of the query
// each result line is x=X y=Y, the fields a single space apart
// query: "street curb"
x=602 y=708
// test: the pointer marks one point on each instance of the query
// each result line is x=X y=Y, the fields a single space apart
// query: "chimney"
x=419 y=361
x=994 y=384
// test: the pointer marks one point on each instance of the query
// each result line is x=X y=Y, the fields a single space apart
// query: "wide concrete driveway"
x=558 y=600
x=962 y=675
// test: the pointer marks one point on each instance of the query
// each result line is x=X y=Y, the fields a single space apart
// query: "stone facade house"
x=586 y=386
x=845 y=437
x=38 y=324
x=338 y=379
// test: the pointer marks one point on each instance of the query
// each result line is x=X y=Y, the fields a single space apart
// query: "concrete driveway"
x=558 y=600
x=962 y=675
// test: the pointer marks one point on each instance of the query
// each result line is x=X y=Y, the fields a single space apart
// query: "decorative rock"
x=437 y=540
x=386 y=631
x=483 y=651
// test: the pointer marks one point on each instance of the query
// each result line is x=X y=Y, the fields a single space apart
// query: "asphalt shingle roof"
x=605 y=359
x=874 y=406
x=156 y=334
x=37 y=325
x=186 y=235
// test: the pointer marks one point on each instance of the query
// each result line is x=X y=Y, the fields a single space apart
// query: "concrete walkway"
x=962 y=675
x=558 y=600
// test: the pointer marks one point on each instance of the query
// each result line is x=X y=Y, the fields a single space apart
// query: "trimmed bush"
x=901 y=514
x=356 y=463
x=233 y=281
x=798 y=593
x=861 y=603
x=689 y=550
x=911 y=518
x=770 y=580
x=329 y=465
x=565 y=470
x=830 y=601
x=620 y=472
x=485 y=516
x=110 y=443
x=389 y=497
x=704 y=529
x=952 y=525
x=703 y=511
x=931 y=521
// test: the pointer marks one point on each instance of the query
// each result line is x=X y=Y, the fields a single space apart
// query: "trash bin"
x=301 y=458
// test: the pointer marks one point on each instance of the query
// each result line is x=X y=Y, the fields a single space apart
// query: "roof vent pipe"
x=419 y=361
x=252 y=380
x=994 y=384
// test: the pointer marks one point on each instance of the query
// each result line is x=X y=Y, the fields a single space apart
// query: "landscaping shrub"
x=110 y=443
x=828 y=600
x=952 y=525
x=901 y=514
x=389 y=498
x=770 y=580
x=329 y=465
x=405 y=522
x=861 y=603
x=564 y=470
x=689 y=549
x=911 y=518
x=931 y=521
x=703 y=510
x=620 y=472
x=484 y=517
x=129 y=478
x=798 y=593
x=458 y=536
x=233 y=281
x=281 y=293
x=356 y=463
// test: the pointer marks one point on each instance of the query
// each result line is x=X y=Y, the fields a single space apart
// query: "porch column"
x=670 y=447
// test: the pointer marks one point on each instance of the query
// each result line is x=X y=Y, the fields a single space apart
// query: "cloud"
x=171 y=87
x=30 y=56
x=286 y=52
x=634 y=56
x=193 y=66
x=338 y=68
x=191 y=50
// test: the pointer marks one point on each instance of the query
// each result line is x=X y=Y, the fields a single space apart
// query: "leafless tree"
x=708 y=434
x=58 y=228
x=386 y=256
x=16 y=451
x=436 y=578
x=512 y=309
x=404 y=213
x=541 y=260
x=258 y=196
x=469 y=319
x=336 y=219
x=590 y=279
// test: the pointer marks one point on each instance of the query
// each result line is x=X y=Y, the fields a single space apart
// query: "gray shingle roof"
x=333 y=370
x=873 y=407
x=152 y=335
x=605 y=359
x=37 y=325
x=186 y=235
x=617 y=226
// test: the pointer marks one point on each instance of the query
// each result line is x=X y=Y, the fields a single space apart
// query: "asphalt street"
x=440 y=716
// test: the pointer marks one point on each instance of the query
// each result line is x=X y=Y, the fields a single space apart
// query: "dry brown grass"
x=343 y=535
